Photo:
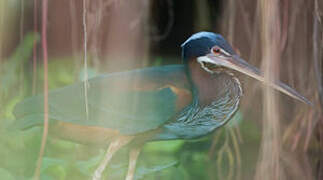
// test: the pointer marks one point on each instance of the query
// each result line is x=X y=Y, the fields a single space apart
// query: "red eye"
x=216 y=50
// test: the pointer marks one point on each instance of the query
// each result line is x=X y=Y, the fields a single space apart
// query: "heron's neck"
x=212 y=87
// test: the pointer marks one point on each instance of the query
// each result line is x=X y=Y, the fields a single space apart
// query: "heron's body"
x=163 y=98
x=159 y=103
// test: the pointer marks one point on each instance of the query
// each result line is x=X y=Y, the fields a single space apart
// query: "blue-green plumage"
x=118 y=101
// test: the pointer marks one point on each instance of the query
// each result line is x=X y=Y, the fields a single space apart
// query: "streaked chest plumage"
x=197 y=120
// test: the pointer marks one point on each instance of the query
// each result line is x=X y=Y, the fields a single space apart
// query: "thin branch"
x=94 y=17
x=309 y=131
x=21 y=23
x=2 y=14
x=35 y=48
x=236 y=148
x=45 y=56
x=86 y=85
x=284 y=34
x=232 y=17
x=246 y=19
x=74 y=39
x=269 y=165
x=317 y=54
x=295 y=11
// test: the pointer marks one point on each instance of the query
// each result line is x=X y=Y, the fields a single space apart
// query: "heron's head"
x=215 y=54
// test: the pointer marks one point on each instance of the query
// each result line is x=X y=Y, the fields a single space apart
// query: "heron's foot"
x=114 y=146
x=98 y=173
x=133 y=156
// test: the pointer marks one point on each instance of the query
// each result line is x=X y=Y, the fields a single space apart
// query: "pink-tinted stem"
x=45 y=59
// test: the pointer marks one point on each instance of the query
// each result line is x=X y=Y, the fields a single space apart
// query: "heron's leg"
x=114 y=146
x=133 y=156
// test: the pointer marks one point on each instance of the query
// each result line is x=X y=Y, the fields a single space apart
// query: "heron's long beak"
x=238 y=64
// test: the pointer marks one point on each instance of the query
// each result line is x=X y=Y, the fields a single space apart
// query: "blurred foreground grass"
x=68 y=160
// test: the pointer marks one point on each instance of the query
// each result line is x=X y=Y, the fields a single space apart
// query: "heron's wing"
x=130 y=102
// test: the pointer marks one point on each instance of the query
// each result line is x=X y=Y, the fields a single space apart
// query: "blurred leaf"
x=236 y=120
x=62 y=145
x=54 y=168
x=10 y=104
x=164 y=146
x=91 y=72
x=24 y=49
x=61 y=72
x=4 y=174
x=56 y=172
x=143 y=171
x=87 y=167
x=158 y=61
x=46 y=177
x=48 y=162
x=9 y=76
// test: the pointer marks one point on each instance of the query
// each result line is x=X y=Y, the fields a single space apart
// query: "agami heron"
x=151 y=104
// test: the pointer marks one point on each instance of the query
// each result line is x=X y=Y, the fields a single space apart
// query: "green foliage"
x=10 y=68
x=141 y=172
x=4 y=174
x=54 y=168
x=11 y=74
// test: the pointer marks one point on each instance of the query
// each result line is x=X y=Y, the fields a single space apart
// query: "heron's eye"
x=216 y=50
